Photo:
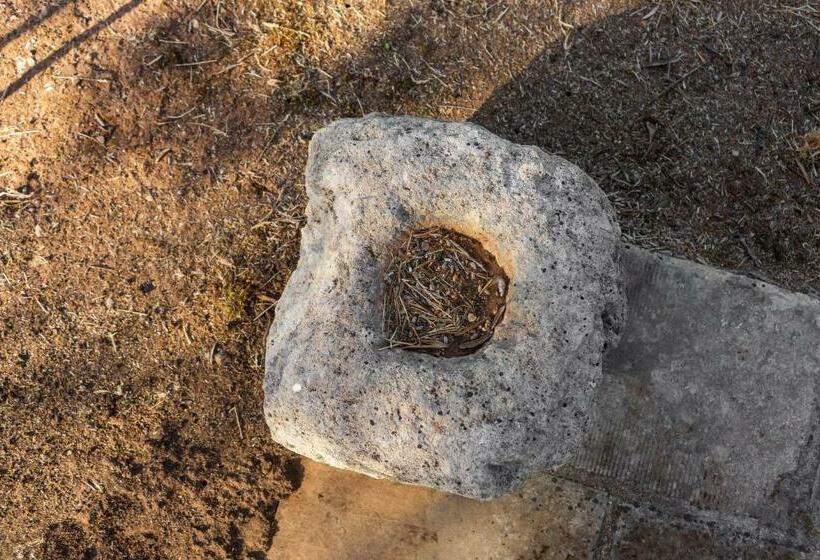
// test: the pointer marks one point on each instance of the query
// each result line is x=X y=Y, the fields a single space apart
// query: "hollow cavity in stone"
x=444 y=293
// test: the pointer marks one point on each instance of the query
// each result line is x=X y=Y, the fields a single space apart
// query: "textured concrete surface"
x=476 y=425
x=710 y=399
x=343 y=515
x=643 y=535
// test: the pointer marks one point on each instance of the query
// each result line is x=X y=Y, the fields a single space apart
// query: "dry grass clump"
x=810 y=145
x=444 y=294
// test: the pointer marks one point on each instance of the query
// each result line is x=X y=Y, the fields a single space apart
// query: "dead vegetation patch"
x=810 y=146
x=444 y=293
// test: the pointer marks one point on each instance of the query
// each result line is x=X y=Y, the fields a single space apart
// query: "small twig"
x=213 y=128
x=131 y=311
x=268 y=308
x=87 y=137
x=196 y=63
x=751 y=254
x=19 y=133
x=187 y=335
x=238 y=423
x=162 y=154
x=12 y=196
x=81 y=78
x=174 y=117
x=674 y=84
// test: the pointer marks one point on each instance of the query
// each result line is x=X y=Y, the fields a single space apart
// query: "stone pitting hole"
x=444 y=293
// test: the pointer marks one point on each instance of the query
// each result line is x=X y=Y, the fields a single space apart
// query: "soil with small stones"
x=151 y=196
x=444 y=294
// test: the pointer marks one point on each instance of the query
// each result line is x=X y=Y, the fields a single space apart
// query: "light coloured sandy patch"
x=338 y=514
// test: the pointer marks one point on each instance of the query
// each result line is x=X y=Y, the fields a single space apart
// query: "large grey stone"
x=476 y=425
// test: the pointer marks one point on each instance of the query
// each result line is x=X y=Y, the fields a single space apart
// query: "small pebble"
x=220 y=356
x=471 y=317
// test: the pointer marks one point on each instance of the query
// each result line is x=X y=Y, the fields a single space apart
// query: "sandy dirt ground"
x=364 y=519
x=151 y=195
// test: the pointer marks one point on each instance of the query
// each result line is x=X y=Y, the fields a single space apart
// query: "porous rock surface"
x=475 y=425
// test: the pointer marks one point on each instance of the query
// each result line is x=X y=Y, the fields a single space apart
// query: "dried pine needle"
x=436 y=294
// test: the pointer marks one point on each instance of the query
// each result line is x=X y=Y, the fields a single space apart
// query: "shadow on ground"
x=689 y=119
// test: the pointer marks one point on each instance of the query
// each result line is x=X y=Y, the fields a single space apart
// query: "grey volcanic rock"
x=476 y=425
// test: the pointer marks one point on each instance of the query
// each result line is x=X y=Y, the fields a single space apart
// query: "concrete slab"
x=339 y=514
x=710 y=399
x=640 y=535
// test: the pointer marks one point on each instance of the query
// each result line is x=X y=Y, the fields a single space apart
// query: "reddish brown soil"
x=151 y=194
